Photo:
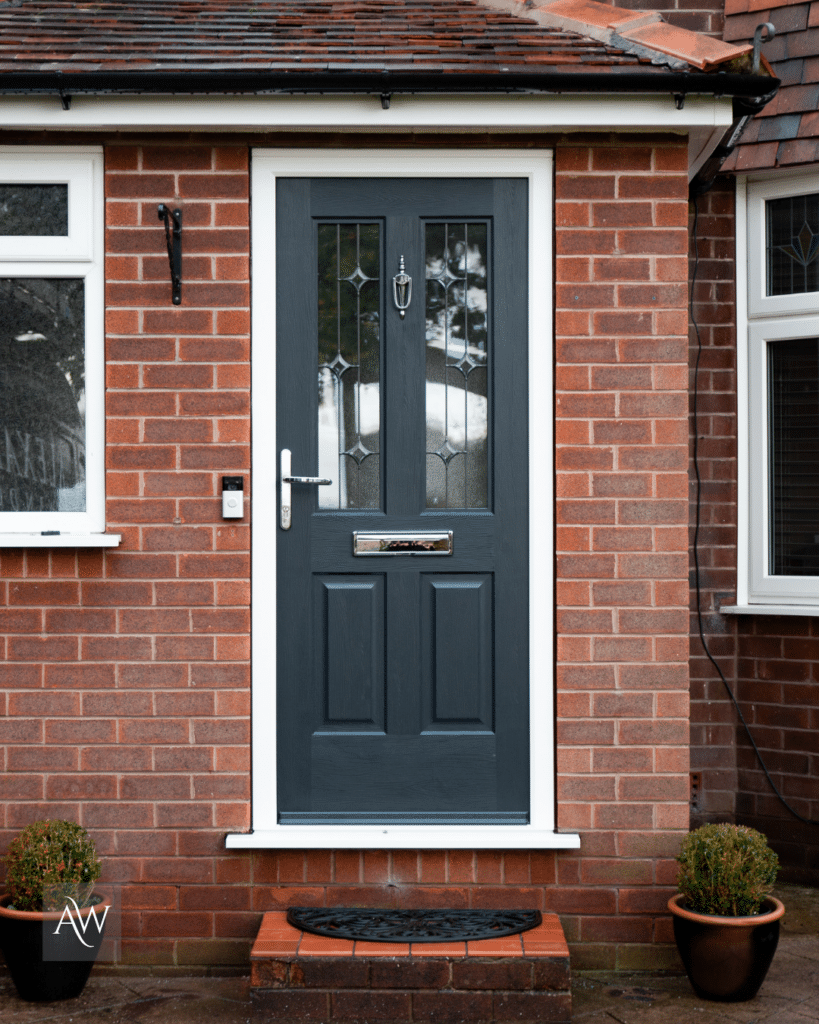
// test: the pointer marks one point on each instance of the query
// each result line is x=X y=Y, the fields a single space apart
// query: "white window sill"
x=769 y=609
x=407 y=837
x=60 y=540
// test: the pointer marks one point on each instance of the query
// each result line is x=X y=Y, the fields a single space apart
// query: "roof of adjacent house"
x=346 y=37
x=786 y=132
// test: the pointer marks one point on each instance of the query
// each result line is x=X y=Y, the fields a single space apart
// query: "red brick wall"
x=126 y=672
x=769 y=662
x=697 y=15
x=713 y=755
x=778 y=672
x=621 y=431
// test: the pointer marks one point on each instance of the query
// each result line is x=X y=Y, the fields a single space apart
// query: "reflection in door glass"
x=348 y=355
x=42 y=394
x=456 y=365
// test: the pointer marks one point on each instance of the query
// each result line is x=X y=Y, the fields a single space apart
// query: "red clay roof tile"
x=749 y=158
x=798 y=151
x=699 y=50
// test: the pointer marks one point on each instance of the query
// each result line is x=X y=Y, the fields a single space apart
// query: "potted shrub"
x=51 y=918
x=726 y=923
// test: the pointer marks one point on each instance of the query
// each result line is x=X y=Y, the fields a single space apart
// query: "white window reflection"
x=42 y=395
x=457 y=404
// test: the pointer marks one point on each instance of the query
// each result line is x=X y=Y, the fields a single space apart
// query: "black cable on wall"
x=795 y=813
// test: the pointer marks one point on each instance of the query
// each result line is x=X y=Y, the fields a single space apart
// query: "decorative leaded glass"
x=793 y=245
x=42 y=395
x=793 y=375
x=456 y=365
x=349 y=405
x=34 y=210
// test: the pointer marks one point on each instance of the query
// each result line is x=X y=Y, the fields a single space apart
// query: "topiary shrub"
x=48 y=862
x=726 y=870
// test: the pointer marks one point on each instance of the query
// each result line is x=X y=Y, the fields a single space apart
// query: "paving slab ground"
x=790 y=994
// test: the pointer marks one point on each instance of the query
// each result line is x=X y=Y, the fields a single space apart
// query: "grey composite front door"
x=403 y=677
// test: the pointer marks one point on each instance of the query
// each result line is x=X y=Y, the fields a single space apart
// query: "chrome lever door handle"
x=285 y=507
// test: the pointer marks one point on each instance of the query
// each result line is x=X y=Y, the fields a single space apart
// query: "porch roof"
x=110 y=43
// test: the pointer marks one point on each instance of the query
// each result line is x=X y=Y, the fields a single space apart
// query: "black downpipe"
x=744 y=110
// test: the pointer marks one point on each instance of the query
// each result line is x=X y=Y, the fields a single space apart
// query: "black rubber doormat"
x=373 y=925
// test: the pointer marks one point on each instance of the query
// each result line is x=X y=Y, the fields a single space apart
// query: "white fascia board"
x=353 y=837
x=364 y=113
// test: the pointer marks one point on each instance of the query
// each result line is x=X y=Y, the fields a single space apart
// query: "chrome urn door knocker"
x=402 y=289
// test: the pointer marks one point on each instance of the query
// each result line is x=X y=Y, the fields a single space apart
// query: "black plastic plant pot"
x=726 y=958
x=50 y=955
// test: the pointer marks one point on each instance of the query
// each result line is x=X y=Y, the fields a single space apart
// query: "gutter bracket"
x=174 y=248
x=766 y=25
x=65 y=99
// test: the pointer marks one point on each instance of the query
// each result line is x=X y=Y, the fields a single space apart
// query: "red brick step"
x=516 y=977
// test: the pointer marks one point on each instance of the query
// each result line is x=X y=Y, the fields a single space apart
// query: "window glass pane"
x=42 y=395
x=349 y=331
x=33 y=210
x=793 y=245
x=794 y=457
x=457 y=403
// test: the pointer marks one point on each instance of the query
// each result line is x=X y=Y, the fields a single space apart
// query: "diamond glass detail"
x=349 y=342
x=358 y=452
x=457 y=402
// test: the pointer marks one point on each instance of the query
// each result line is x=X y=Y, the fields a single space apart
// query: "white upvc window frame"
x=762 y=321
x=79 y=254
x=541 y=832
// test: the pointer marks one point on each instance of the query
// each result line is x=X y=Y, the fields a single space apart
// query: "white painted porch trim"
x=536 y=166
x=703 y=118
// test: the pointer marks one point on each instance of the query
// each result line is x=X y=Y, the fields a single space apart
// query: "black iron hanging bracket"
x=174 y=248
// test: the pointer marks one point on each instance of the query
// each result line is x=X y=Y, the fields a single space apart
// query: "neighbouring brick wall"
x=697 y=15
x=621 y=457
x=769 y=662
x=713 y=754
x=777 y=678
x=126 y=672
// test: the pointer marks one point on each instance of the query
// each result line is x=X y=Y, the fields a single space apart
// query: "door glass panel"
x=456 y=365
x=42 y=394
x=349 y=397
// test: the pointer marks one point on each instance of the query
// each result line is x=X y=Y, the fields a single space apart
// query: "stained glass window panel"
x=792 y=226
x=349 y=341
x=457 y=397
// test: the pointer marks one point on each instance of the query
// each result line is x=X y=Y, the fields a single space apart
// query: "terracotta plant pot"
x=64 y=974
x=726 y=958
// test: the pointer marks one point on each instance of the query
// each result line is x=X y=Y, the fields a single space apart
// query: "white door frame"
x=536 y=166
